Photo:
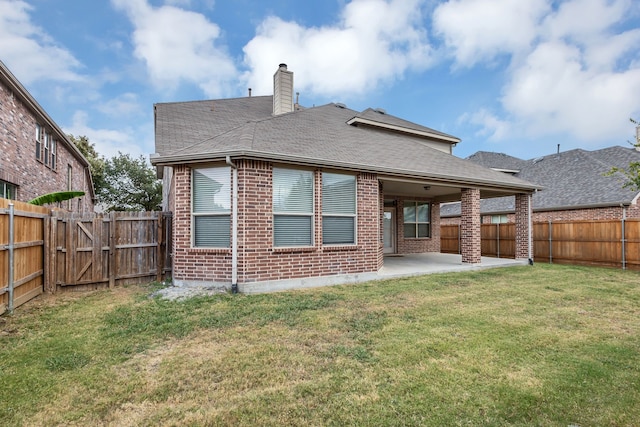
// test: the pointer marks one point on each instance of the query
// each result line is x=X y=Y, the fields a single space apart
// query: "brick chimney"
x=282 y=91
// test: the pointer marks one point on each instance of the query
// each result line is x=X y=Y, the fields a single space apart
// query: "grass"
x=543 y=345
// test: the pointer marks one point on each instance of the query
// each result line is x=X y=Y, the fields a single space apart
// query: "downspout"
x=530 y=208
x=234 y=228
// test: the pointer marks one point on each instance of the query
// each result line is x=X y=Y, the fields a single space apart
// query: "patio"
x=427 y=263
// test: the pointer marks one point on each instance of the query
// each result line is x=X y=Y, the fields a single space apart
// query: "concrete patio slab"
x=428 y=263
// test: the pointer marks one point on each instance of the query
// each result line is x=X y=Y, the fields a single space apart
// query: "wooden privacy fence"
x=44 y=250
x=22 y=242
x=607 y=243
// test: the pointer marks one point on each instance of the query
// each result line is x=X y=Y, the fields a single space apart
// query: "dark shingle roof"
x=202 y=130
x=572 y=179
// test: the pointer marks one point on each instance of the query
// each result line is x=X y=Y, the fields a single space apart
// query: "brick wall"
x=258 y=260
x=18 y=163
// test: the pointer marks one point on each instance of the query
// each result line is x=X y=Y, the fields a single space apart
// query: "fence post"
x=10 y=248
x=550 y=244
x=498 y=239
x=159 y=251
x=52 y=285
x=624 y=258
x=112 y=249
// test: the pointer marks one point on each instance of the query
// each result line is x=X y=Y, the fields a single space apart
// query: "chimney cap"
x=283 y=65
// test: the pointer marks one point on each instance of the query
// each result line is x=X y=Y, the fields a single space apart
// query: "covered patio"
x=428 y=263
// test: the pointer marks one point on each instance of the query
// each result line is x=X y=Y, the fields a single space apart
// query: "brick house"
x=269 y=195
x=574 y=186
x=36 y=156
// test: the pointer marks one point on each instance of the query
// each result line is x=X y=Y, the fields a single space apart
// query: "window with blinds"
x=292 y=207
x=338 y=209
x=211 y=207
x=416 y=219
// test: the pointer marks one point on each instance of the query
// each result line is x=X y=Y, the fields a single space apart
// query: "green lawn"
x=543 y=345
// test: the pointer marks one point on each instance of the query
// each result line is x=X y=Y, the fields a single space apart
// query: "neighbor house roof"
x=200 y=131
x=572 y=180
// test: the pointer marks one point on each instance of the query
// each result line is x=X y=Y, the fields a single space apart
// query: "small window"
x=54 y=144
x=417 y=219
x=47 y=146
x=7 y=190
x=211 y=207
x=38 y=142
x=498 y=219
x=292 y=207
x=338 y=209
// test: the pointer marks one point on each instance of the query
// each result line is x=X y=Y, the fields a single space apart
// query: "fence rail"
x=44 y=250
x=607 y=243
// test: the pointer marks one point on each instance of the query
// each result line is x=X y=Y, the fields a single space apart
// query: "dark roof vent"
x=538 y=160
x=380 y=110
x=340 y=105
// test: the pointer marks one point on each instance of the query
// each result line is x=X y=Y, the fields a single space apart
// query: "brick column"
x=522 y=226
x=470 y=226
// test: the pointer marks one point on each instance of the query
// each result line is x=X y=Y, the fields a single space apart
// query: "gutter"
x=234 y=228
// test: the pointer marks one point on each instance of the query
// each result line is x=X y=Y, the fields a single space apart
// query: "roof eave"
x=158 y=160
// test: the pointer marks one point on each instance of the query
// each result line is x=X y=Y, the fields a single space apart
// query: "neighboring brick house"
x=574 y=183
x=268 y=195
x=36 y=157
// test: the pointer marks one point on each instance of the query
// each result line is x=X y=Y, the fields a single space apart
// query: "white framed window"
x=211 y=207
x=39 y=138
x=292 y=207
x=7 y=190
x=338 y=209
x=499 y=219
x=47 y=146
x=417 y=219
x=54 y=144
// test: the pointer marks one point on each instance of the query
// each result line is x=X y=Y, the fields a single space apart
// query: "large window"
x=292 y=207
x=211 y=207
x=416 y=219
x=338 y=209
x=7 y=190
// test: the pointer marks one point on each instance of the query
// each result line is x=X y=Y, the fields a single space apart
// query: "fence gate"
x=115 y=248
x=81 y=255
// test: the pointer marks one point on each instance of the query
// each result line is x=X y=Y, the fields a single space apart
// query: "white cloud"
x=373 y=42
x=29 y=51
x=574 y=65
x=109 y=142
x=179 y=46
x=491 y=126
x=125 y=105
x=479 y=30
x=554 y=92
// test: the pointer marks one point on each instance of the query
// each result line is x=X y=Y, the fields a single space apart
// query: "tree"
x=130 y=184
x=96 y=163
x=121 y=183
x=632 y=172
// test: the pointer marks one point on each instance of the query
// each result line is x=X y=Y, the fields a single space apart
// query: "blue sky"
x=512 y=76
